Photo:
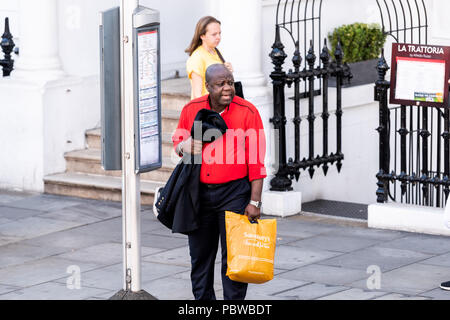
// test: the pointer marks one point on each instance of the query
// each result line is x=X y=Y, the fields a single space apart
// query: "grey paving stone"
x=440 y=260
x=310 y=291
x=4 y=240
x=156 y=228
x=178 y=256
x=33 y=227
x=169 y=288
x=421 y=243
x=18 y=253
x=17 y=213
x=109 y=229
x=385 y=258
x=70 y=239
x=300 y=229
x=39 y=271
x=287 y=257
x=325 y=274
x=4 y=220
x=163 y=242
x=414 y=279
x=52 y=291
x=103 y=254
x=278 y=284
x=397 y=296
x=5 y=289
x=334 y=243
x=354 y=294
x=44 y=203
x=437 y=294
x=368 y=233
x=97 y=210
x=10 y=196
x=69 y=215
x=111 y=277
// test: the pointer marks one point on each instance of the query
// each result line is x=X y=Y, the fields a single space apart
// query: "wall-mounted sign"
x=149 y=141
x=420 y=75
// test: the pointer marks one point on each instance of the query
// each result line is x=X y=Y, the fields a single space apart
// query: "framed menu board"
x=420 y=75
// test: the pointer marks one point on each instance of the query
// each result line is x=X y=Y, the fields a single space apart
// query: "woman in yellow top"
x=202 y=53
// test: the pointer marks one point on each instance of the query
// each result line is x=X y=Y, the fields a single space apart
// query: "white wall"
x=78 y=36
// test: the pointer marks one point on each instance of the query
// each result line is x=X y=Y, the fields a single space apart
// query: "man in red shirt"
x=231 y=177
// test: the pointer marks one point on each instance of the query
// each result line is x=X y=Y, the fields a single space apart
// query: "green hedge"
x=359 y=41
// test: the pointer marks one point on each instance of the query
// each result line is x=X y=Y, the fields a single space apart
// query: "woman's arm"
x=197 y=85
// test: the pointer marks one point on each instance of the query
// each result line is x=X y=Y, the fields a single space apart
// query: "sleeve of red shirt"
x=182 y=132
x=255 y=147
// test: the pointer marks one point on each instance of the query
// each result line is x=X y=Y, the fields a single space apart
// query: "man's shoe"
x=445 y=285
x=157 y=194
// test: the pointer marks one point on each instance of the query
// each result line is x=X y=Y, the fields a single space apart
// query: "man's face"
x=221 y=88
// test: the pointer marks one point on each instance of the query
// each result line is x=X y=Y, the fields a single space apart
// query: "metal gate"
x=310 y=79
x=414 y=141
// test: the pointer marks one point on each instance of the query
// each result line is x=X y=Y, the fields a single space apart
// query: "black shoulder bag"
x=237 y=84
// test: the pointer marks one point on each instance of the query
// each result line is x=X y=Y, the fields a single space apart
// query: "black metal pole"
x=297 y=60
x=325 y=57
x=339 y=55
x=280 y=182
x=381 y=94
x=403 y=158
x=7 y=44
x=311 y=59
x=425 y=134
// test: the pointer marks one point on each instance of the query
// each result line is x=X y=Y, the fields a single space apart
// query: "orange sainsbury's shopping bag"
x=251 y=248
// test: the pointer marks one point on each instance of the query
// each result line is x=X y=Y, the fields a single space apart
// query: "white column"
x=39 y=57
x=242 y=42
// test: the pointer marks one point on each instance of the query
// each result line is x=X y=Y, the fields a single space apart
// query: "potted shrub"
x=361 y=44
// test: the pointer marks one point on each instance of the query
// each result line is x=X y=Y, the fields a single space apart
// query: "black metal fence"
x=414 y=140
x=295 y=17
x=7 y=45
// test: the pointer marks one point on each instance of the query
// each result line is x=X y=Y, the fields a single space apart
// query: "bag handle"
x=220 y=55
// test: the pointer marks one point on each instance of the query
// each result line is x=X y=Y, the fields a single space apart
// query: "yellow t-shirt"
x=198 y=62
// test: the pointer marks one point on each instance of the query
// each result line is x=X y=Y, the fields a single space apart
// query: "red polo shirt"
x=239 y=153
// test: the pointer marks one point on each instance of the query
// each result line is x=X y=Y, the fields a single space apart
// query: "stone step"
x=93 y=138
x=95 y=187
x=88 y=161
x=175 y=93
x=170 y=120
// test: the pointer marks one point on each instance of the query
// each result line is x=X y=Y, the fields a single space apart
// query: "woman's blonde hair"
x=200 y=30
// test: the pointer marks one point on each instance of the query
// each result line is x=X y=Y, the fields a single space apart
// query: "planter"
x=364 y=72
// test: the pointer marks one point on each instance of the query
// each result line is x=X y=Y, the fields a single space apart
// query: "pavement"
x=54 y=247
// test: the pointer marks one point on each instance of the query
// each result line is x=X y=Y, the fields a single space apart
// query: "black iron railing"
x=417 y=170
x=7 y=45
x=294 y=17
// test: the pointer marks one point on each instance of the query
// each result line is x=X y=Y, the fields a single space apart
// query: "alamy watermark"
x=74 y=281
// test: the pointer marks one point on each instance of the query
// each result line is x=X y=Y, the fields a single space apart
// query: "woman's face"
x=212 y=36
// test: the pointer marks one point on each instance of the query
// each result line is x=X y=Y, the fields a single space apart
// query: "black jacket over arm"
x=178 y=204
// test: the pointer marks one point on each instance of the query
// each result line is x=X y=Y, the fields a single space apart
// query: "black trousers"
x=203 y=243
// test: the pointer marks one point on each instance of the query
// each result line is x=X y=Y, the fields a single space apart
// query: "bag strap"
x=220 y=55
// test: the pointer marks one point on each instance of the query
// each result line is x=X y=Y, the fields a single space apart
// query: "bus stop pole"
x=131 y=194
x=130 y=180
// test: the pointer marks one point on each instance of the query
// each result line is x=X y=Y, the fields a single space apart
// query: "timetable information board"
x=149 y=113
x=420 y=75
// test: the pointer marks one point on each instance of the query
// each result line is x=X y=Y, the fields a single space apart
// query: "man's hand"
x=192 y=146
x=252 y=213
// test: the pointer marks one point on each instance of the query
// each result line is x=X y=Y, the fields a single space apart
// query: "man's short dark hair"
x=212 y=70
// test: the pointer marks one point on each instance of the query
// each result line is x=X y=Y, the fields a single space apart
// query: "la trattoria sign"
x=420 y=75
